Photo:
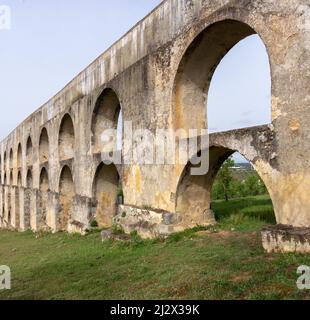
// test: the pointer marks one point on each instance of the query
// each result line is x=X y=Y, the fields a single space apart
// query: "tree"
x=225 y=177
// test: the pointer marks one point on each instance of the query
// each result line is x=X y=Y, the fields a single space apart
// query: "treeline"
x=227 y=186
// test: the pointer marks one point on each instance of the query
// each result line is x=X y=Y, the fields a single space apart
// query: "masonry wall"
x=149 y=72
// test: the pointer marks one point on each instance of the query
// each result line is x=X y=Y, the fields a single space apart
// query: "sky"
x=51 y=41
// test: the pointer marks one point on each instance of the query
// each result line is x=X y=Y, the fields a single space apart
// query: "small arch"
x=11 y=178
x=11 y=158
x=66 y=141
x=43 y=188
x=4 y=160
x=19 y=156
x=106 y=116
x=44 y=146
x=29 y=182
x=17 y=200
x=19 y=179
x=4 y=179
x=28 y=200
x=29 y=152
x=106 y=183
x=66 y=195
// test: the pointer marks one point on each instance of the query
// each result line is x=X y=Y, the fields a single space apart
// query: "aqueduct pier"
x=158 y=76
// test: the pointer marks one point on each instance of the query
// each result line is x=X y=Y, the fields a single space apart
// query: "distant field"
x=223 y=262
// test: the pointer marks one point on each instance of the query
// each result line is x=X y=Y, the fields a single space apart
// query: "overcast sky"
x=51 y=41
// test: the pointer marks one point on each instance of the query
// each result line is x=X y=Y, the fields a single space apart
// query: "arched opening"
x=4 y=179
x=28 y=200
x=106 y=185
x=240 y=90
x=44 y=187
x=67 y=193
x=106 y=116
x=11 y=158
x=44 y=146
x=11 y=178
x=29 y=152
x=192 y=91
x=17 y=200
x=4 y=161
x=10 y=198
x=19 y=156
x=66 y=140
x=229 y=188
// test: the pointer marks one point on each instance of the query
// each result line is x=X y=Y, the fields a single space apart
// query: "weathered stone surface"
x=158 y=75
x=283 y=238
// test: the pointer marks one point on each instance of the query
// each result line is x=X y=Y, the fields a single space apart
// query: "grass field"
x=224 y=262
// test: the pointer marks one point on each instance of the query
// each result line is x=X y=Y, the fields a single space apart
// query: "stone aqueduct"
x=158 y=75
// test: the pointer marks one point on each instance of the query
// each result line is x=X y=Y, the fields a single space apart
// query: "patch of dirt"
x=241 y=277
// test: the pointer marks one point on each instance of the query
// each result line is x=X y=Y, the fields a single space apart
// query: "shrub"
x=94 y=223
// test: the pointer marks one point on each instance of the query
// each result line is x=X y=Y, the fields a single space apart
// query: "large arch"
x=28 y=200
x=43 y=198
x=105 y=186
x=66 y=141
x=29 y=152
x=105 y=116
x=44 y=146
x=67 y=193
x=196 y=68
x=193 y=196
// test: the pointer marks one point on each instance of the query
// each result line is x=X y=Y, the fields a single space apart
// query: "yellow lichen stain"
x=138 y=179
x=106 y=209
x=162 y=200
x=294 y=125
x=290 y=194
x=276 y=108
x=177 y=110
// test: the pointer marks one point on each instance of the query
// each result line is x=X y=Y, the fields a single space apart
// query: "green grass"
x=222 y=262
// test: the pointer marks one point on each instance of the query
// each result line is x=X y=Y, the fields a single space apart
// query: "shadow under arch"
x=193 y=196
x=28 y=200
x=105 y=187
x=66 y=196
x=105 y=116
x=66 y=138
x=43 y=199
x=44 y=146
x=196 y=69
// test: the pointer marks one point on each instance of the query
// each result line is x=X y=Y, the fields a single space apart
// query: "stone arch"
x=29 y=152
x=44 y=146
x=193 y=196
x=19 y=156
x=28 y=200
x=4 y=179
x=66 y=195
x=105 y=116
x=4 y=161
x=197 y=66
x=105 y=187
x=11 y=159
x=66 y=141
x=43 y=198
x=9 y=198
x=17 y=200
